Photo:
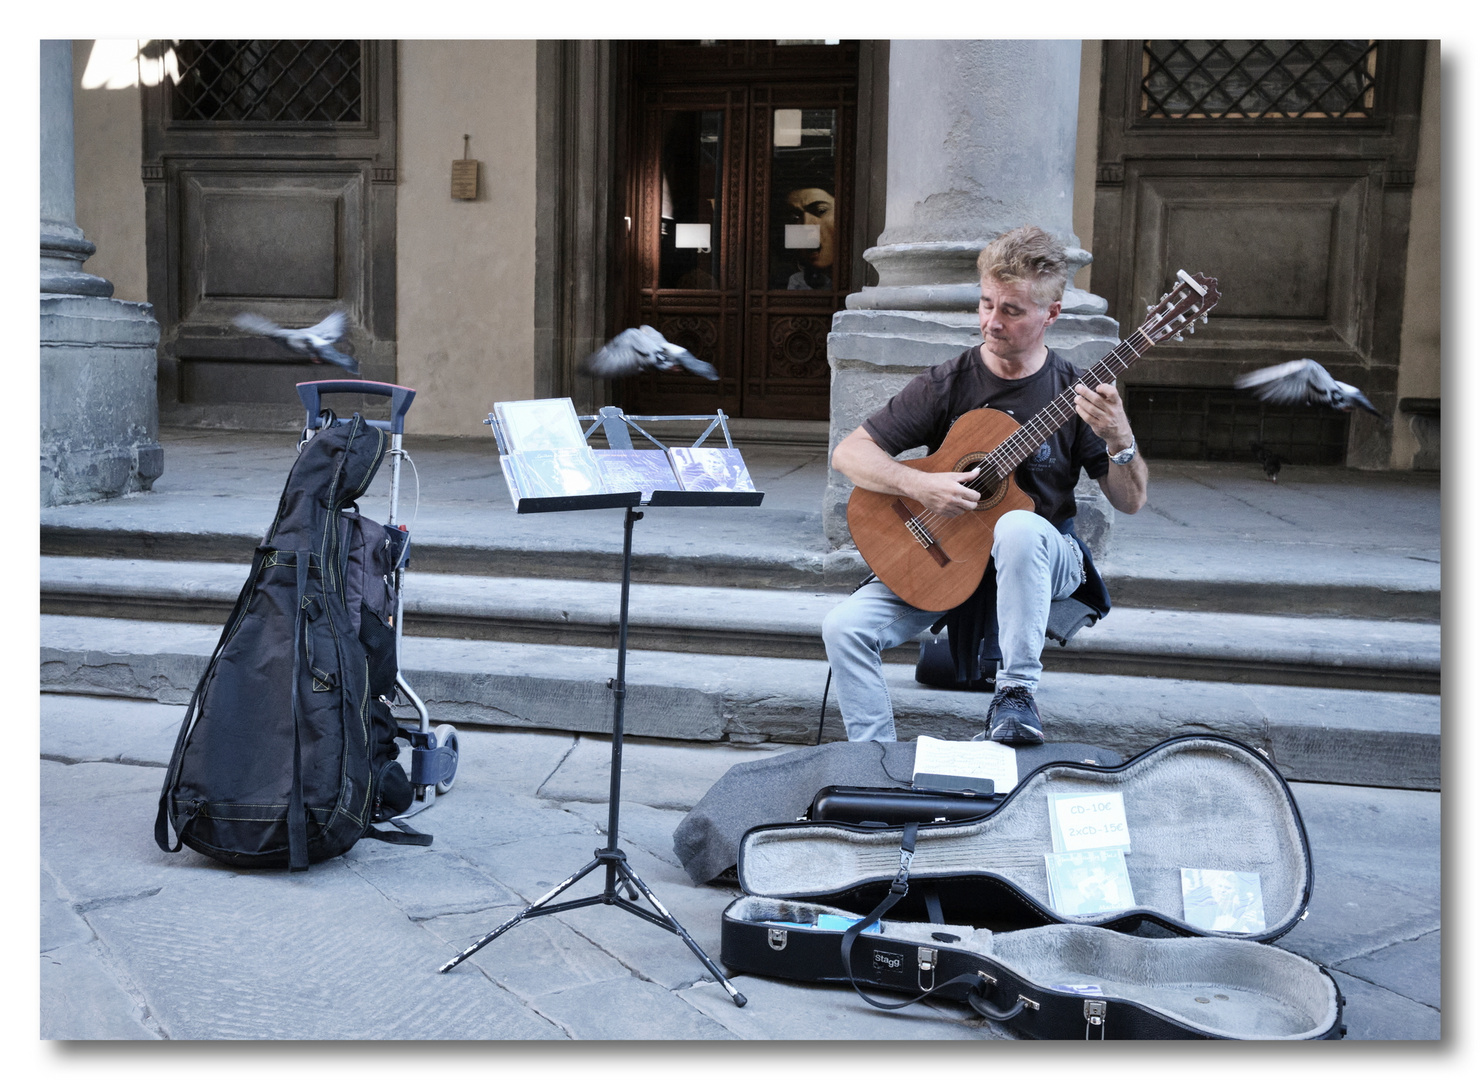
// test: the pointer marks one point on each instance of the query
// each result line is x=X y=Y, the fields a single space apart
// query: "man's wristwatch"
x=1127 y=455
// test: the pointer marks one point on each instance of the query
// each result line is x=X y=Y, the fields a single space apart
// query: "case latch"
x=776 y=938
x=1094 y=1017
x=927 y=967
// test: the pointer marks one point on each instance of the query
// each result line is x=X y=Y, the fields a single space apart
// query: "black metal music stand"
x=611 y=857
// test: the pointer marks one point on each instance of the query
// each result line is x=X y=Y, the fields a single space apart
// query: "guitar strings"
x=1024 y=439
x=1021 y=442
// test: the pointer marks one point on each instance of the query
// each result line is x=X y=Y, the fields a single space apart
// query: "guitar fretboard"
x=1025 y=440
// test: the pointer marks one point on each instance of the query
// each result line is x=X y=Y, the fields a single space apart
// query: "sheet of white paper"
x=1082 y=822
x=987 y=760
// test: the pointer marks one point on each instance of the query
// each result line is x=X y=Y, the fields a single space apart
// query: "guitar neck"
x=1024 y=442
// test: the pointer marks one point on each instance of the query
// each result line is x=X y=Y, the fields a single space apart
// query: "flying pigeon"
x=1269 y=459
x=315 y=341
x=1304 y=382
x=633 y=352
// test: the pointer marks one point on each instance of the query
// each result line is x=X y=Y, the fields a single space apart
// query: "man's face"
x=813 y=206
x=1012 y=323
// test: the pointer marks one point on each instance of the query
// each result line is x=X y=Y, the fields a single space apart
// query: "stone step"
x=1338 y=653
x=1231 y=577
x=1331 y=736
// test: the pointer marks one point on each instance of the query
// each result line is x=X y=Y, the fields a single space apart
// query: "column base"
x=99 y=412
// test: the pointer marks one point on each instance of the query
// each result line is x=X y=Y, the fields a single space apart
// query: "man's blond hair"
x=1029 y=254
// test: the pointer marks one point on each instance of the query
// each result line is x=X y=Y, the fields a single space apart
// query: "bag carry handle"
x=401 y=397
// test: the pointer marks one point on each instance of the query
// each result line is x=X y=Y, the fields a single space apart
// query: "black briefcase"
x=966 y=909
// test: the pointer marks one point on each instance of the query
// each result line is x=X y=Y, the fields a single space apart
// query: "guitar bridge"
x=920 y=533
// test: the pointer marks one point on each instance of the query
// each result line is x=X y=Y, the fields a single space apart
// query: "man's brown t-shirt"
x=922 y=413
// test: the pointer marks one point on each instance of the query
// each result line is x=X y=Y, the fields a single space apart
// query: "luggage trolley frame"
x=433 y=749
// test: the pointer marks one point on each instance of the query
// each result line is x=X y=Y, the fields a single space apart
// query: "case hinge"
x=776 y=938
x=1094 y=1017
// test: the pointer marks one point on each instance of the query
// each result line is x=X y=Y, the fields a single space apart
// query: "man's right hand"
x=945 y=493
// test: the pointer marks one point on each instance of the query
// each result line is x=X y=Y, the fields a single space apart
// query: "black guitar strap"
x=897 y=890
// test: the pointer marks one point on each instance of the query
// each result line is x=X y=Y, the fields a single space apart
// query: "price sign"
x=1083 y=822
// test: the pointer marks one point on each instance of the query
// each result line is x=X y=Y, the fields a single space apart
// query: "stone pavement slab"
x=1376 y=871
x=1373 y=1012
x=137 y=943
x=1411 y=968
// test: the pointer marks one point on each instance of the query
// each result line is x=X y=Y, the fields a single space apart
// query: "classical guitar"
x=935 y=562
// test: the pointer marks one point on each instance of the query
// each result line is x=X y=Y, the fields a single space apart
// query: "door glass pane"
x=803 y=209
x=689 y=226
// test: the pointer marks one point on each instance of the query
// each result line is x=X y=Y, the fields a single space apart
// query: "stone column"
x=99 y=413
x=981 y=140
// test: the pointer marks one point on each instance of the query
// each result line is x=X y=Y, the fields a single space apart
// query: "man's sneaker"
x=1013 y=718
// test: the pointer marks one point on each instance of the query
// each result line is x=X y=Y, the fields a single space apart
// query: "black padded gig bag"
x=283 y=758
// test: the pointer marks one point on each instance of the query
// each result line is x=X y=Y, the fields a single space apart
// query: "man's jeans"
x=1036 y=565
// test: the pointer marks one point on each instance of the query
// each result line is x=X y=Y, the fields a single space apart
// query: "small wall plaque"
x=465 y=175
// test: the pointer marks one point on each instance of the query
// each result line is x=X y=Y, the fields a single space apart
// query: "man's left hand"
x=1102 y=409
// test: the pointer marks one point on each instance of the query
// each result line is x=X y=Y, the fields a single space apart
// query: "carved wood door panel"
x=269 y=178
x=740 y=202
x=1284 y=169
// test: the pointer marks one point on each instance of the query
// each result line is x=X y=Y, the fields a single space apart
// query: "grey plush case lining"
x=1191 y=802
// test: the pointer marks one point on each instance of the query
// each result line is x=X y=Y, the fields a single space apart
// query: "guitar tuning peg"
x=1205 y=317
x=1192 y=327
x=1176 y=337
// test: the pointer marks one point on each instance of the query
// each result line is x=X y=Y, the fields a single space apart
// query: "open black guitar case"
x=966 y=910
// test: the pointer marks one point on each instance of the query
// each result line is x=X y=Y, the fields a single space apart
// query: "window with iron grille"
x=268 y=82
x=1194 y=423
x=1262 y=80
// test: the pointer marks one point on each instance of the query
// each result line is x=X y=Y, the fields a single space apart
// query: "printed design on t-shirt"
x=1042 y=458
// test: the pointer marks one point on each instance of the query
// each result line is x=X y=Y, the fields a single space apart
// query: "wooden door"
x=740 y=199
x=270 y=180
x=1285 y=170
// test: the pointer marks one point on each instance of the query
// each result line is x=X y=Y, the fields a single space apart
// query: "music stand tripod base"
x=612 y=858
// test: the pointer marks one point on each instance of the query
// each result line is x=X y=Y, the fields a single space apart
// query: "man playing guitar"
x=1036 y=558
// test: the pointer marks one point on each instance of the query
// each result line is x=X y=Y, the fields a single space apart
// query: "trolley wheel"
x=446 y=735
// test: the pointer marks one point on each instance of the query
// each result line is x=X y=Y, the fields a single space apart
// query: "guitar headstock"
x=1190 y=299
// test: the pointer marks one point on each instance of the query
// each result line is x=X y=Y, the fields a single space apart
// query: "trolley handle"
x=401 y=397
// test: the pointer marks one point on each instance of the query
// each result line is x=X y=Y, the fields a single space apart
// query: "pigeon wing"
x=1296 y=382
x=626 y=354
x=331 y=355
x=692 y=363
x=256 y=324
x=331 y=329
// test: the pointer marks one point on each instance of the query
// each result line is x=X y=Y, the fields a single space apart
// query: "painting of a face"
x=813 y=206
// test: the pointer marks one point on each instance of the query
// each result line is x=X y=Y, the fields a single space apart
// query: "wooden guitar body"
x=933 y=562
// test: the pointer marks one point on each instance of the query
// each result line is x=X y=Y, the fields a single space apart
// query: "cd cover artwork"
x=705 y=468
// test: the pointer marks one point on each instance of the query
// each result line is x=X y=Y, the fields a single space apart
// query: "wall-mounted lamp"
x=465 y=175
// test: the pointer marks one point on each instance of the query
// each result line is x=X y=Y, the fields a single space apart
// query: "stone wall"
x=1416 y=435
x=465 y=269
x=107 y=126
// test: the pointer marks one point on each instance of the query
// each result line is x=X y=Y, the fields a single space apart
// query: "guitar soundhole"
x=990 y=496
